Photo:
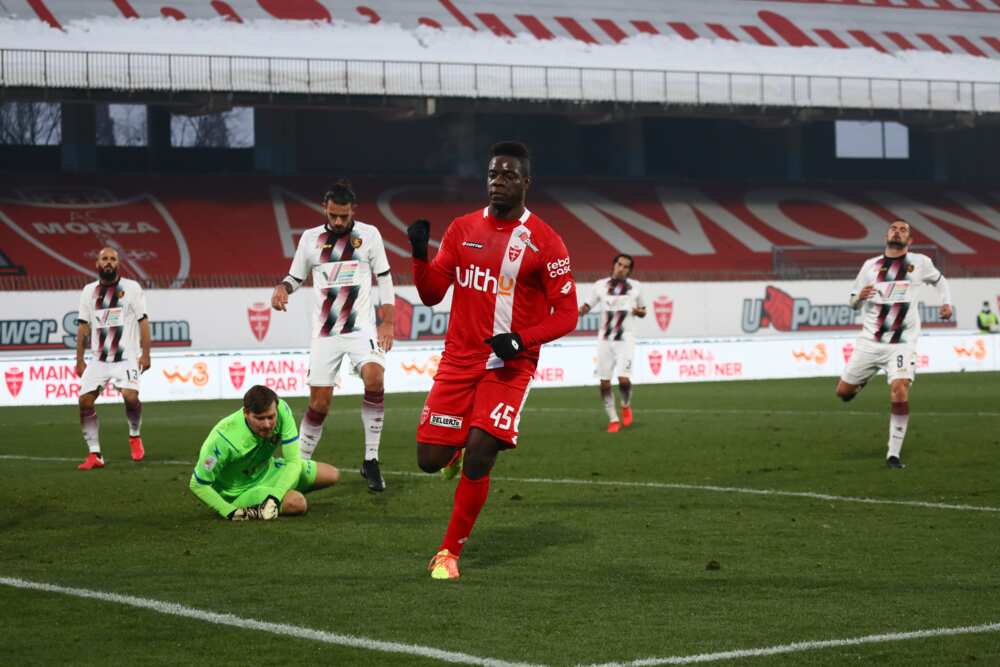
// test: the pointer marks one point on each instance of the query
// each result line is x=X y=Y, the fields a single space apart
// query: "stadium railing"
x=121 y=71
x=799 y=262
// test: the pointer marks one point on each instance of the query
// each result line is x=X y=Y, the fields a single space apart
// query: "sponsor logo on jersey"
x=14 y=377
x=259 y=319
x=655 y=361
x=483 y=280
x=514 y=252
x=560 y=267
x=565 y=289
x=473 y=244
x=446 y=421
x=237 y=374
x=663 y=309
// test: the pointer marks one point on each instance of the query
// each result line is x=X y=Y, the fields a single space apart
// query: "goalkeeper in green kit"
x=238 y=474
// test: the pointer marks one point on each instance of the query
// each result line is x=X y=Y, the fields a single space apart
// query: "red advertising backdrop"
x=192 y=231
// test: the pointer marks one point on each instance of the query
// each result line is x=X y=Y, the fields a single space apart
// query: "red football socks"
x=470 y=496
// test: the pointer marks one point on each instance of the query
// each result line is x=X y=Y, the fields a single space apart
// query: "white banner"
x=228 y=319
x=411 y=368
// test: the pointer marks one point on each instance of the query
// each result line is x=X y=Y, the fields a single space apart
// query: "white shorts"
x=326 y=354
x=614 y=358
x=121 y=375
x=899 y=361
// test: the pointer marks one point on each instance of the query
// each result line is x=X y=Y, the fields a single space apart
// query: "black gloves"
x=506 y=345
x=420 y=235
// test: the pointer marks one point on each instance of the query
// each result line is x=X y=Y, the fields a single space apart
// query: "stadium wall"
x=193 y=376
x=227 y=319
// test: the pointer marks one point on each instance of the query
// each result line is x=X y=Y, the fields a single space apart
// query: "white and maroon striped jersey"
x=890 y=314
x=113 y=313
x=342 y=268
x=615 y=300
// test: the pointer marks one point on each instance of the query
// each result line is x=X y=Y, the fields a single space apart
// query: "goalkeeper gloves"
x=506 y=345
x=267 y=510
x=420 y=235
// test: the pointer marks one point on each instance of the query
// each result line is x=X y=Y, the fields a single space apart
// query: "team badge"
x=909 y=268
x=237 y=374
x=663 y=308
x=514 y=252
x=356 y=242
x=655 y=361
x=120 y=293
x=259 y=318
x=14 y=377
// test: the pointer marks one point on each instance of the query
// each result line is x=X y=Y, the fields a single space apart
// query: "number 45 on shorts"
x=502 y=416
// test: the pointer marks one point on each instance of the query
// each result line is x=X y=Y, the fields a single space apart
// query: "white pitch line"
x=351 y=641
x=635 y=485
x=750 y=491
x=805 y=646
x=764 y=411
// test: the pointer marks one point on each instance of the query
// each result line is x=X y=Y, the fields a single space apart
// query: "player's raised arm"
x=431 y=278
x=560 y=292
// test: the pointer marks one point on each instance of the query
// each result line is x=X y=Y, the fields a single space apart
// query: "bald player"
x=113 y=315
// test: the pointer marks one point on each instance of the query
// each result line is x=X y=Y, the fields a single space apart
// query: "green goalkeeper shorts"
x=265 y=487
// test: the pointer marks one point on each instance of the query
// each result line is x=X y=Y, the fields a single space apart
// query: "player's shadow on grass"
x=496 y=546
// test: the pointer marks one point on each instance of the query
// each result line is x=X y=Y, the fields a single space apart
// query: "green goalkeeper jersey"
x=234 y=459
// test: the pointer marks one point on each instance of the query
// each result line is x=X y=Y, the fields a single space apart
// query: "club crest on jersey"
x=356 y=242
x=120 y=293
x=525 y=237
x=514 y=252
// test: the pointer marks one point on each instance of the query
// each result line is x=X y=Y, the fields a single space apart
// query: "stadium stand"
x=228 y=231
x=883 y=25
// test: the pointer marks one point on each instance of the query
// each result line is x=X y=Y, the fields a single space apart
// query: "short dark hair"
x=514 y=149
x=341 y=193
x=621 y=255
x=258 y=399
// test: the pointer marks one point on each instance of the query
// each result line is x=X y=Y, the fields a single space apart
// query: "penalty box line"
x=623 y=484
x=798 y=647
x=283 y=629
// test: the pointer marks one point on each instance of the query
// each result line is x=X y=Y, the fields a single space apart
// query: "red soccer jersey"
x=509 y=276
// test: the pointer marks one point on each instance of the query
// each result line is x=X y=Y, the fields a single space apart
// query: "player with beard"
x=513 y=291
x=113 y=315
x=885 y=291
x=619 y=297
x=343 y=255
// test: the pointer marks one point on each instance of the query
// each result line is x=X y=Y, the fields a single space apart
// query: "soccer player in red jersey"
x=513 y=291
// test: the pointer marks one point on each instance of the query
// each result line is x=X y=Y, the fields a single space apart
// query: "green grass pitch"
x=575 y=558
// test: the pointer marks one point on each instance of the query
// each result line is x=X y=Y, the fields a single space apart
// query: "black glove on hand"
x=506 y=345
x=420 y=235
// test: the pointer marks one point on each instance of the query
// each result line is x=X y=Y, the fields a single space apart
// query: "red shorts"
x=490 y=400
